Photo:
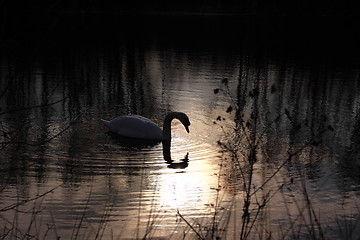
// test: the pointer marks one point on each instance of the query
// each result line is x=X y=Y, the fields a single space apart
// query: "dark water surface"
x=81 y=182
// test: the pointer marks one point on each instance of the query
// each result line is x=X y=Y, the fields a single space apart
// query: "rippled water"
x=82 y=181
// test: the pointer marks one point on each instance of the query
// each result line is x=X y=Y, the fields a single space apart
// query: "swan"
x=139 y=127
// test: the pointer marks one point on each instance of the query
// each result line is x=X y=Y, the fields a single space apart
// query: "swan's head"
x=184 y=120
x=182 y=117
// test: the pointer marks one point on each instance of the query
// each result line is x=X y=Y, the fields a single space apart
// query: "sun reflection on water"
x=188 y=190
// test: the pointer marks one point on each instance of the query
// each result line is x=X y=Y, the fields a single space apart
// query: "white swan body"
x=140 y=127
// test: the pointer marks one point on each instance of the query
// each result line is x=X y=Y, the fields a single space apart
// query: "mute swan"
x=135 y=126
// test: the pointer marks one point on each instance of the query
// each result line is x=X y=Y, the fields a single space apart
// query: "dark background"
x=322 y=29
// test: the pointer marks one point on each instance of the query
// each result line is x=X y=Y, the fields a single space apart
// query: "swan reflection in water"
x=180 y=164
x=138 y=131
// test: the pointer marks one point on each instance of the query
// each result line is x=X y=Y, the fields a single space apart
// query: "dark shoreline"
x=286 y=38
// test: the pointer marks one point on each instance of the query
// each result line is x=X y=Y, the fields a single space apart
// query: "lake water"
x=296 y=91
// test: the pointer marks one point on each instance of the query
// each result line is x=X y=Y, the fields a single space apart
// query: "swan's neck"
x=167 y=126
x=166 y=151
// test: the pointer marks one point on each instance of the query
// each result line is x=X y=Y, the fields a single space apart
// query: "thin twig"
x=20 y=203
x=192 y=228
x=33 y=107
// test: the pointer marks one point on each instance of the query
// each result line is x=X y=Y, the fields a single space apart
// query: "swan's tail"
x=105 y=122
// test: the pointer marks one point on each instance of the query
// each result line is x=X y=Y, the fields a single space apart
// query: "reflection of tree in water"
x=87 y=86
x=349 y=163
x=288 y=106
x=289 y=124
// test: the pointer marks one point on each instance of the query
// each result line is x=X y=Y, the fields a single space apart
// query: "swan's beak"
x=187 y=128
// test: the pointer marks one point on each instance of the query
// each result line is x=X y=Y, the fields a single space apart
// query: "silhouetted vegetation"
x=273 y=132
x=46 y=16
x=319 y=7
x=57 y=68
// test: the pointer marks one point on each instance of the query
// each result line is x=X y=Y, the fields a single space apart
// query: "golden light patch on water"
x=185 y=191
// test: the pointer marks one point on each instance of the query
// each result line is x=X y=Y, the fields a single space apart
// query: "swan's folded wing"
x=136 y=127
